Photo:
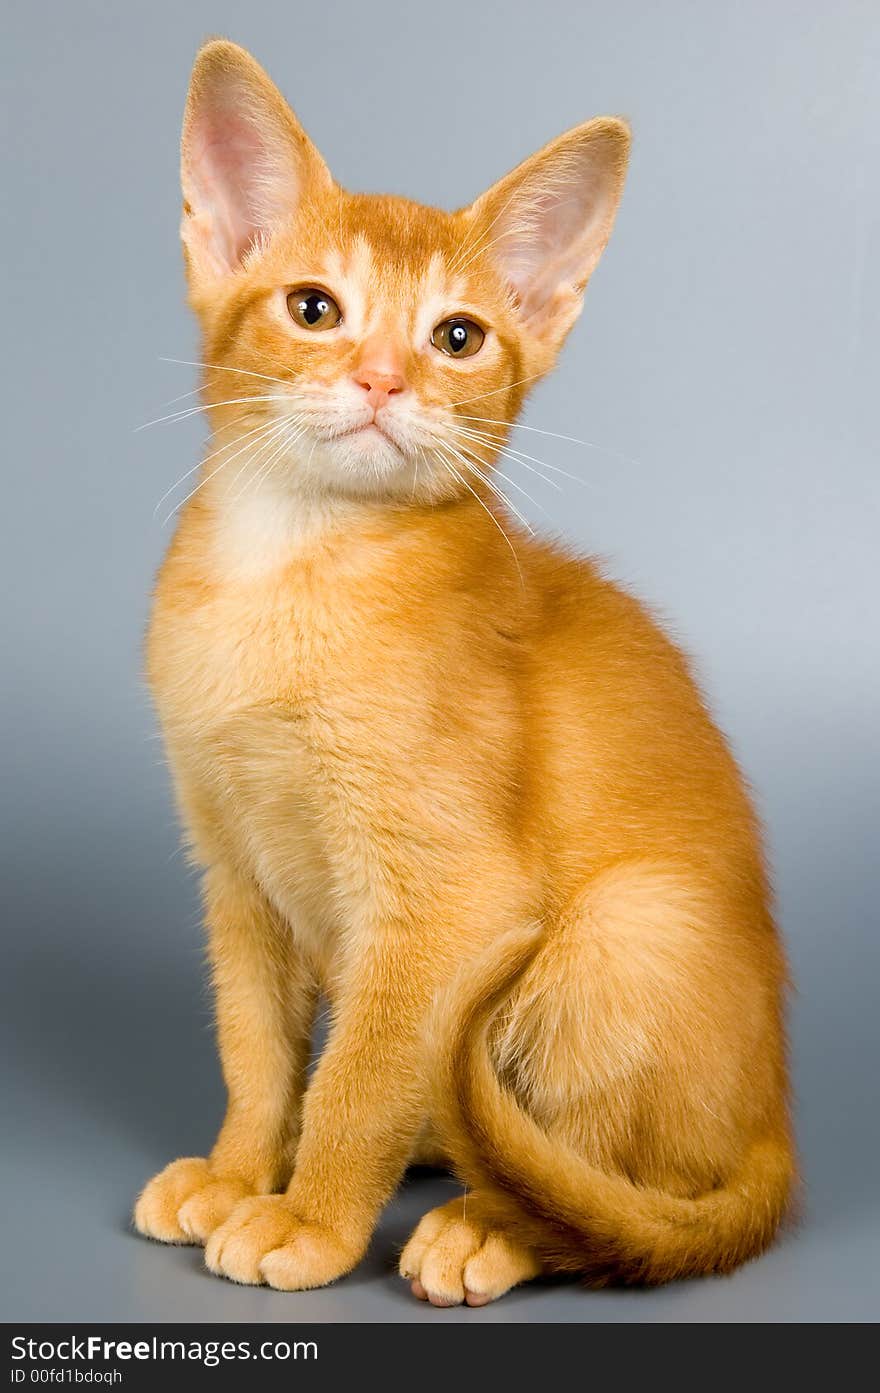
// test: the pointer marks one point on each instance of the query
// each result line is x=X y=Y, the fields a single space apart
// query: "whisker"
x=310 y=454
x=213 y=455
x=520 y=457
x=271 y=426
x=288 y=436
x=572 y=439
x=492 y=442
x=267 y=430
x=171 y=400
x=478 y=251
x=456 y=475
x=516 y=456
x=469 y=460
x=420 y=458
x=466 y=401
x=221 y=367
x=206 y=406
x=193 y=391
x=471 y=245
x=265 y=447
x=469 y=464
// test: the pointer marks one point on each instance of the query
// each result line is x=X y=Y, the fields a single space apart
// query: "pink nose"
x=379 y=384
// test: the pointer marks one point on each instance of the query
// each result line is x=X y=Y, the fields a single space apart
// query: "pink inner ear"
x=534 y=252
x=240 y=179
x=558 y=221
x=226 y=152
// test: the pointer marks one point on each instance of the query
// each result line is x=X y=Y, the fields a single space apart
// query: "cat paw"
x=452 y=1258
x=187 y=1201
x=264 y=1240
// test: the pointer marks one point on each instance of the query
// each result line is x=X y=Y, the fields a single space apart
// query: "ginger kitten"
x=442 y=772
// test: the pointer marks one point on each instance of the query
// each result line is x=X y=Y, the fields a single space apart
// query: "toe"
x=475 y=1298
x=236 y=1255
x=210 y=1207
x=442 y=1267
x=156 y=1210
x=255 y=1226
x=313 y=1258
x=455 y=1257
x=426 y=1233
x=498 y=1265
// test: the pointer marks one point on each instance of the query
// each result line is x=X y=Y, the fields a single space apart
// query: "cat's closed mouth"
x=368 y=429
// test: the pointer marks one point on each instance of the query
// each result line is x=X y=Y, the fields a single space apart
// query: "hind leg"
x=456 y=1256
x=640 y=1038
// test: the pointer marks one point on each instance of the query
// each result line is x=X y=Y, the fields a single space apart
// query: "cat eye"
x=459 y=338
x=313 y=309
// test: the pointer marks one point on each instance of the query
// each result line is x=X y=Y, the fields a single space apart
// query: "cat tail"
x=574 y=1216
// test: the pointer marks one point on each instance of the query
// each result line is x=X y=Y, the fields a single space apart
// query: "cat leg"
x=363 y=1111
x=635 y=1055
x=265 y=1004
x=428 y=1149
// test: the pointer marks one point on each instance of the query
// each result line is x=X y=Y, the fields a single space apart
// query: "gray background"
x=728 y=351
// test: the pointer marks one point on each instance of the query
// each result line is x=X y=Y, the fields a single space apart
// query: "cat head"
x=367 y=345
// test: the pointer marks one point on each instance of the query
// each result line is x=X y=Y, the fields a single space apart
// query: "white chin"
x=365 y=462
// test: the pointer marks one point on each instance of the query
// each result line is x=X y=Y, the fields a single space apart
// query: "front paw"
x=264 y=1240
x=187 y=1201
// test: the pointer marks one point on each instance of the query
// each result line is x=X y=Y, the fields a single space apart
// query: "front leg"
x=265 y=1005
x=362 y=1114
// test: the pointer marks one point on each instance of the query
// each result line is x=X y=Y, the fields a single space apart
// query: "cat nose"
x=379 y=382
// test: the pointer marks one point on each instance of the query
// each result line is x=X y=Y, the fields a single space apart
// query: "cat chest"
x=268 y=730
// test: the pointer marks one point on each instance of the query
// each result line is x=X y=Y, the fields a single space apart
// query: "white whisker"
x=478 y=251
x=456 y=475
x=473 y=245
x=469 y=464
x=264 y=447
x=263 y=425
x=572 y=439
x=183 y=395
x=469 y=460
x=520 y=457
x=221 y=367
x=516 y=456
x=288 y=436
x=206 y=406
x=270 y=427
x=268 y=437
x=419 y=458
x=508 y=386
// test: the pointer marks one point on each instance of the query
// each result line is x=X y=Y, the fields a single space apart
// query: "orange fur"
x=443 y=772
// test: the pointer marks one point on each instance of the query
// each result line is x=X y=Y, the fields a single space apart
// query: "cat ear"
x=245 y=159
x=546 y=223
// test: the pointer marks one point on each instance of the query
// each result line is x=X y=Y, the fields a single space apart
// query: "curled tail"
x=576 y=1217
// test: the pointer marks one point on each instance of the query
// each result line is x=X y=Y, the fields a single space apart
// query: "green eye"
x=313 y=309
x=459 y=338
